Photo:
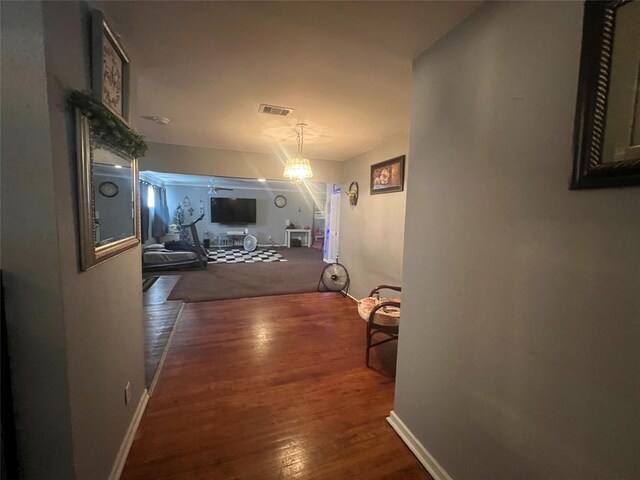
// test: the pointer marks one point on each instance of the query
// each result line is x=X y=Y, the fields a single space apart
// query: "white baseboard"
x=421 y=453
x=121 y=458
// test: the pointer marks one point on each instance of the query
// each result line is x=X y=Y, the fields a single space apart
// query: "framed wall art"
x=387 y=176
x=109 y=67
x=109 y=222
x=353 y=193
x=607 y=125
x=108 y=195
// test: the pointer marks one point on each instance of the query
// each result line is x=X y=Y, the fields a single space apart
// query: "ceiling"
x=345 y=67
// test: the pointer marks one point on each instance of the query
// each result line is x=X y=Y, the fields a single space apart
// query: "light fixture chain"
x=300 y=139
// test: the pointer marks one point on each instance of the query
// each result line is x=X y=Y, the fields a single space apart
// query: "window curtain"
x=144 y=211
x=160 y=225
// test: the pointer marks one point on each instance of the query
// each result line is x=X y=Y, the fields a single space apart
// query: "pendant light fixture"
x=298 y=168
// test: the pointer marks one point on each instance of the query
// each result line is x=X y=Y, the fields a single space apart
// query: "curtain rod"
x=151 y=185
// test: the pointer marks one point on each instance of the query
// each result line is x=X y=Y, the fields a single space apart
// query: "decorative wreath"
x=107 y=128
x=353 y=193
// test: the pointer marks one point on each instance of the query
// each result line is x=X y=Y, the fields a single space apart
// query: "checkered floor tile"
x=237 y=255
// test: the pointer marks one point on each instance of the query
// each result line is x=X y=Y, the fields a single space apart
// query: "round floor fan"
x=250 y=243
x=334 y=278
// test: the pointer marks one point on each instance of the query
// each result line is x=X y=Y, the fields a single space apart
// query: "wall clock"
x=280 y=201
x=108 y=189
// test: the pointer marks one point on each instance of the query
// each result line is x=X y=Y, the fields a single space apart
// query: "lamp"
x=298 y=168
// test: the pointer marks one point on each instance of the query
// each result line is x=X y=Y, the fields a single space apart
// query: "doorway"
x=332 y=224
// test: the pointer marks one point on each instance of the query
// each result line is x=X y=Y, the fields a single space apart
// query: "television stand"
x=230 y=239
x=297 y=232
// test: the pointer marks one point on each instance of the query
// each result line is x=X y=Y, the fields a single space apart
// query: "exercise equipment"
x=176 y=255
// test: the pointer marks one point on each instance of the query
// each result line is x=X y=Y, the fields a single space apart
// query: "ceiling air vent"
x=273 y=110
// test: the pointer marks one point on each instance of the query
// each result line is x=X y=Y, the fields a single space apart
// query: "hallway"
x=273 y=388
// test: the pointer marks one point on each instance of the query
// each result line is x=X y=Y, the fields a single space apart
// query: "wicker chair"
x=382 y=316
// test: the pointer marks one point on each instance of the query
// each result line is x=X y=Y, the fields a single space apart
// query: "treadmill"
x=195 y=257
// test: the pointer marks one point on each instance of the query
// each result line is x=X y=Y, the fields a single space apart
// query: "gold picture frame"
x=109 y=67
x=92 y=252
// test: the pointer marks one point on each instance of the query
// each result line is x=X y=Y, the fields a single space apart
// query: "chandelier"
x=298 y=168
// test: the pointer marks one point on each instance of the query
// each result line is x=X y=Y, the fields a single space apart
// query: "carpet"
x=221 y=281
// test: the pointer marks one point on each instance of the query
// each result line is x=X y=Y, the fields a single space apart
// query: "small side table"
x=305 y=234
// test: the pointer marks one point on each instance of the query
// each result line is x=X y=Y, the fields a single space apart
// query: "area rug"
x=238 y=255
x=220 y=281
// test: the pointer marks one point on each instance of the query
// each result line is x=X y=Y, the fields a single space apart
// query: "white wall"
x=270 y=220
x=163 y=157
x=518 y=354
x=372 y=233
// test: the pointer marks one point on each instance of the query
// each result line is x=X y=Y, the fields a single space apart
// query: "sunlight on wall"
x=151 y=201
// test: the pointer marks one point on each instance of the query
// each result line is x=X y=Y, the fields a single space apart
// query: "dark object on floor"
x=148 y=282
x=334 y=278
x=239 y=255
x=9 y=461
x=298 y=274
x=382 y=316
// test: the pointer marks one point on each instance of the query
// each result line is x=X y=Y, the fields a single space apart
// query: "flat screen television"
x=233 y=211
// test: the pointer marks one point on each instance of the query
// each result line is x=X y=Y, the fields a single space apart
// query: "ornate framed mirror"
x=607 y=124
x=108 y=195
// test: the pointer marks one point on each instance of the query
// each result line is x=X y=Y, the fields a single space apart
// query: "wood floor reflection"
x=160 y=316
x=271 y=388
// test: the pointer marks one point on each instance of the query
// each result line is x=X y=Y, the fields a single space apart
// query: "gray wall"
x=30 y=262
x=163 y=157
x=270 y=220
x=518 y=354
x=103 y=306
x=76 y=336
x=372 y=233
x=115 y=213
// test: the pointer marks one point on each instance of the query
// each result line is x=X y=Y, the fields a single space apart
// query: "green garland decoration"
x=107 y=127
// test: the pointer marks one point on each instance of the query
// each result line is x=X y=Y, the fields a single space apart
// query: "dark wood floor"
x=160 y=290
x=159 y=318
x=271 y=388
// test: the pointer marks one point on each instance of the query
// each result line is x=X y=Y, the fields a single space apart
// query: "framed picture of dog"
x=387 y=176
